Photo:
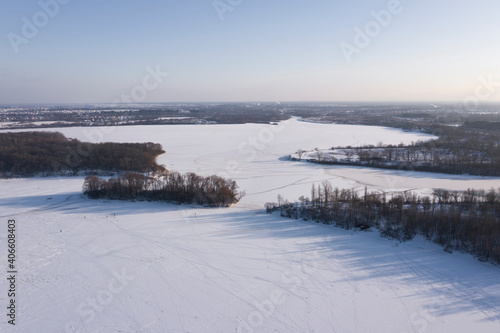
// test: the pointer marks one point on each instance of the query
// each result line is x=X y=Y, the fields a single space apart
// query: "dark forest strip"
x=466 y=221
x=213 y=191
x=49 y=153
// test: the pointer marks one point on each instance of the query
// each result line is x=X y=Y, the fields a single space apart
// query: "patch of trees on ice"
x=467 y=221
x=168 y=186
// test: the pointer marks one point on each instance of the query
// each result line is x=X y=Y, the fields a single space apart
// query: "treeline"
x=172 y=186
x=48 y=153
x=468 y=143
x=467 y=221
x=263 y=116
x=458 y=150
x=484 y=125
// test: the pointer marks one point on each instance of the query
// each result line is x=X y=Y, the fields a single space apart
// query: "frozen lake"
x=109 y=266
x=251 y=153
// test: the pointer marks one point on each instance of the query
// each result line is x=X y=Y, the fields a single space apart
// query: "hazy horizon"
x=337 y=103
x=69 y=52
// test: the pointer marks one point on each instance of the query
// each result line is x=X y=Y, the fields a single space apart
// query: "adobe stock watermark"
x=252 y=145
x=421 y=320
x=74 y=158
x=31 y=27
x=150 y=82
x=294 y=279
x=92 y=306
x=487 y=87
x=371 y=30
x=223 y=6
x=138 y=93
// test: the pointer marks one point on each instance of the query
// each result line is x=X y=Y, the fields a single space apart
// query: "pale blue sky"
x=263 y=50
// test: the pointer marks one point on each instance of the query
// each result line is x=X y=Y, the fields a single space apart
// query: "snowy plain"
x=110 y=266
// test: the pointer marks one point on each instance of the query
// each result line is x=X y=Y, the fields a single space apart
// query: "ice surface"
x=110 y=266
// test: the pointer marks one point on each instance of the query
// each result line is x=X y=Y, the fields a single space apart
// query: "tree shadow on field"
x=451 y=283
x=76 y=202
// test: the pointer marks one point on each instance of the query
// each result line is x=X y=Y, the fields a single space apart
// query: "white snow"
x=169 y=118
x=36 y=123
x=110 y=266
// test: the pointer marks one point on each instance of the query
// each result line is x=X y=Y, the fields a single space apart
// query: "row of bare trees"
x=467 y=221
x=212 y=191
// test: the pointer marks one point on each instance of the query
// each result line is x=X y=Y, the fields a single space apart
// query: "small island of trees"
x=467 y=221
x=137 y=176
x=171 y=186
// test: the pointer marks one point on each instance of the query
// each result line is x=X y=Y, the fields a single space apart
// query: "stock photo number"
x=11 y=271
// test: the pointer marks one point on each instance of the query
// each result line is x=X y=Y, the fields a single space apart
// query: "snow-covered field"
x=109 y=266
